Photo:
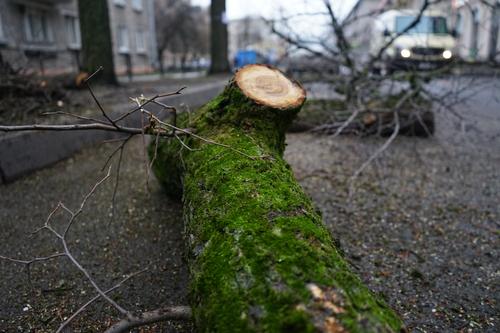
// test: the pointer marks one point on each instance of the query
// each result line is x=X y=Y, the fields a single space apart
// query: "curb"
x=24 y=152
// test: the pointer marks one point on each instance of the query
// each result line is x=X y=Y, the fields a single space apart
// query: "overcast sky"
x=272 y=8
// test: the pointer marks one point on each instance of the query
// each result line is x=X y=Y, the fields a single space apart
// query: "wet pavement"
x=145 y=232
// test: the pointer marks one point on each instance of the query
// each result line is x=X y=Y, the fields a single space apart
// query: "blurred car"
x=427 y=45
x=249 y=57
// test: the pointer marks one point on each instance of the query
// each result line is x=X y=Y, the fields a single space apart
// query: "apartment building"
x=477 y=26
x=43 y=36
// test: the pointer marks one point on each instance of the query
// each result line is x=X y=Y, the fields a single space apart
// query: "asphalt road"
x=474 y=116
x=471 y=111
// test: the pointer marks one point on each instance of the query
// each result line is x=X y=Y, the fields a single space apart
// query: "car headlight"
x=447 y=54
x=405 y=53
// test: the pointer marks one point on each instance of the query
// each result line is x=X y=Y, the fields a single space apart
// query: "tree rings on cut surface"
x=268 y=86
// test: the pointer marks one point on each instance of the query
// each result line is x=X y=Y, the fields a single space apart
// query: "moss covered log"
x=260 y=258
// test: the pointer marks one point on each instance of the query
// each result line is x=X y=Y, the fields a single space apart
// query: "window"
x=140 y=41
x=2 y=33
x=120 y=3
x=459 y=24
x=123 y=41
x=426 y=25
x=37 y=26
x=137 y=4
x=73 y=31
x=476 y=15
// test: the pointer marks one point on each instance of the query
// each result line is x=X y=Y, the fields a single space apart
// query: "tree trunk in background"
x=260 y=258
x=160 y=62
x=218 y=37
x=96 y=39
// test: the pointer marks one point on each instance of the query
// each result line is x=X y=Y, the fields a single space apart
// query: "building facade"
x=43 y=36
x=477 y=26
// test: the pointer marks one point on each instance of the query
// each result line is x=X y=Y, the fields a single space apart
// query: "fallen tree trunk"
x=260 y=258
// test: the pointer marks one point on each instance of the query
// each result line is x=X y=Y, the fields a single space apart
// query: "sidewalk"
x=25 y=152
x=147 y=230
x=157 y=76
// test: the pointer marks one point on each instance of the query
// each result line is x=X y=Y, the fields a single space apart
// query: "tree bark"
x=260 y=258
x=218 y=38
x=97 y=48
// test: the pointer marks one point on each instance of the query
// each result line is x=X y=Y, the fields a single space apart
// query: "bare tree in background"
x=355 y=80
x=218 y=37
x=182 y=30
x=367 y=100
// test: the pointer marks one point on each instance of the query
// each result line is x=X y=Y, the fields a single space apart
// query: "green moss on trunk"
x=260 y=258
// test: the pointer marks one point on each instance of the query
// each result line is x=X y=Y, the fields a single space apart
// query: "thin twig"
x=177 y=129
x=117 y=149
x=155 y=155
x=146 y=318
x=95 y=298
x=125 y=115
x=34 y=260
x=86 y=127
x=87 y=83
x=64 y=113
x=117 y=182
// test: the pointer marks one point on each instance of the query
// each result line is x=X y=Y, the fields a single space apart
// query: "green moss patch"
x=256 y=243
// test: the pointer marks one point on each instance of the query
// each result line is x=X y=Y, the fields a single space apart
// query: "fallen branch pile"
x=22 y=95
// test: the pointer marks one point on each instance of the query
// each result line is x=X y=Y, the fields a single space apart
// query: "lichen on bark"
x=260 y=258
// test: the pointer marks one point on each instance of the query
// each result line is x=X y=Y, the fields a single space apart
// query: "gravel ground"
x=147 y=229
x=421 y=229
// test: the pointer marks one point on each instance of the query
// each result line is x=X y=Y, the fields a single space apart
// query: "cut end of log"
x=268 y=86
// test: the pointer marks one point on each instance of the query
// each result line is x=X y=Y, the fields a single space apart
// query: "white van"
x=427 y=45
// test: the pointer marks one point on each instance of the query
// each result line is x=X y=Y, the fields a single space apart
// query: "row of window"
x=136 y=4
x=37 y=29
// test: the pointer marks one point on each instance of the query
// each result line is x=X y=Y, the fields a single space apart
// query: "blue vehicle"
x=248 y=57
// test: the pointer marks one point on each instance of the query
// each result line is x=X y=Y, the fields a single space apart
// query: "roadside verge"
x=25 y=152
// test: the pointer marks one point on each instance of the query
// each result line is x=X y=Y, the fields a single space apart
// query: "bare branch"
x=388 y=142
x=73 y=115
x=342 y=42
x=95 y=298
x=146 y=318
x=154 y=98
x=198 y=137
x=87 y=83
x=117 y=149
x=74 y=127
x=34 y=260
